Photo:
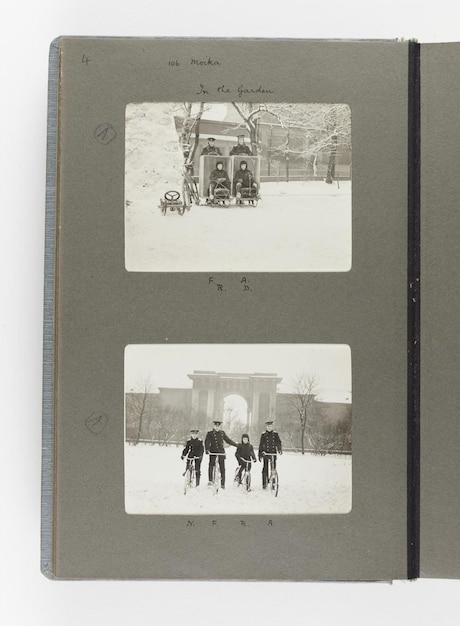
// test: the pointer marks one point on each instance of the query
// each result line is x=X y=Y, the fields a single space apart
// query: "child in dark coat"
x=194 y=449
x=244 y=452
x=220 y=179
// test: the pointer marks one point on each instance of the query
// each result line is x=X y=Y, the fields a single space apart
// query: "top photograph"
x=238 y=187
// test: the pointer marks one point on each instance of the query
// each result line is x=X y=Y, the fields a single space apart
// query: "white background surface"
x=27 y=597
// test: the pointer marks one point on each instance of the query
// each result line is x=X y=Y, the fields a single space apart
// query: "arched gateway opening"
x=211 y=393
x=236 y=416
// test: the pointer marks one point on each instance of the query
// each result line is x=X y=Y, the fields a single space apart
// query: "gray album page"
x=306 y=258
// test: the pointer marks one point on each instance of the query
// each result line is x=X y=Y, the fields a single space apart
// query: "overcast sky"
x=168 y=365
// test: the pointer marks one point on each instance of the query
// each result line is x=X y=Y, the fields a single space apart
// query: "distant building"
x=171 y=412
x=282 y=150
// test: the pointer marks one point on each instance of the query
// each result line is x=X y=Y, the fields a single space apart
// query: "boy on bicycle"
x=194 y=448
x=270 y=443
x=214 y=444
x=244 y=452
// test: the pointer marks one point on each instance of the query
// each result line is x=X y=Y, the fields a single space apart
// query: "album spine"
x=49 y=347
x=413 y=317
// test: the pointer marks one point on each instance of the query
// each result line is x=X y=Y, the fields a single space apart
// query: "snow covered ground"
x=308 y=484
x=297 y=226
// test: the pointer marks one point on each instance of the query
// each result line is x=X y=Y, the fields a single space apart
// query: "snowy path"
x=308 y=484
x=295 y=227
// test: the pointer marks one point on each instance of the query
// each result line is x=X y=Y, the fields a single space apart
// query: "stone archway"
x=210 y=389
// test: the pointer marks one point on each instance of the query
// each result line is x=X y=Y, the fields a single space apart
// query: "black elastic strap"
x=413 y=318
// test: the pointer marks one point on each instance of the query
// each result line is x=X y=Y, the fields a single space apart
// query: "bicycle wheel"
x=274 y=483
x=187 y=480
x=193 y=477
x=247 y=481
x=216 y=481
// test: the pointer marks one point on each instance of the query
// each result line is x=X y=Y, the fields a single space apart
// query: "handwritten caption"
x=243 y=523
x=219 y=285
x=205 y=62
x=241 y=90
x=105 y=135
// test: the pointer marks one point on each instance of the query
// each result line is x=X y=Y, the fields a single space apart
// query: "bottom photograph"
x=260 y=429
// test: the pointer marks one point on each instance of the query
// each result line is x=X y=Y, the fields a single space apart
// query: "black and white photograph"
x=238 y=186
x=227 y=428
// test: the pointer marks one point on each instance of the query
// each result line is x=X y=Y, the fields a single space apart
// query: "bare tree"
x=336 y=434
x=170 y=424
x=250 y=113
x=138 y=408
x=303 y=401
x=190 y=126
x=290 y=430
x=326 y=128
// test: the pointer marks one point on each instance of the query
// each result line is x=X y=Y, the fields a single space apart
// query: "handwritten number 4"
x=85 y=59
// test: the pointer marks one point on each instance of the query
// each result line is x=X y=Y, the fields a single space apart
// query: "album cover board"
x=440 y=305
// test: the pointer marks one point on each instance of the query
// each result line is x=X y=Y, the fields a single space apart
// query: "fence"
x=279 y=173
x=319 y=452
x=153 y=442
x=159 y=442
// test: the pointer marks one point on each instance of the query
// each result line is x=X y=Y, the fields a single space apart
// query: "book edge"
x=48 y=427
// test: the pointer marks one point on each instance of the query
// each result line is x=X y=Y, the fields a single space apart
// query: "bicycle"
x=245 y=478
x=216 y=475
x=189 y=187
x=273 y=480
x=190 y=473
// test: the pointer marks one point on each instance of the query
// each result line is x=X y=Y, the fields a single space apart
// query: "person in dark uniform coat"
x=194 y=448
x=214 y=442
x=211 y=149
x=244 y=179
x=244 y=452
x=270 y=443
x=240 y=148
